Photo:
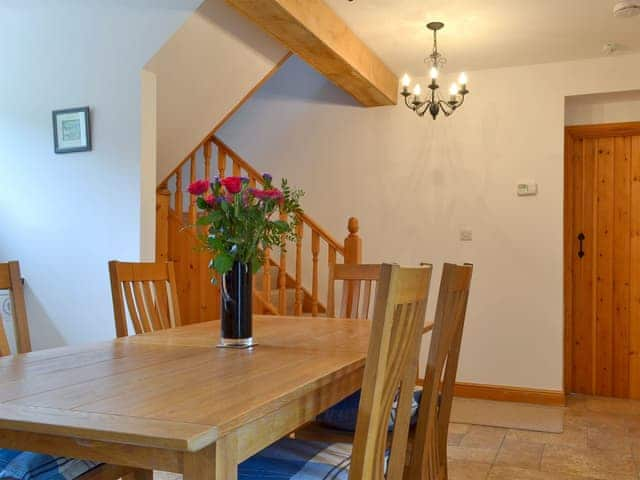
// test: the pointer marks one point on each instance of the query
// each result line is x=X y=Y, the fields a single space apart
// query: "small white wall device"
x=527 y=189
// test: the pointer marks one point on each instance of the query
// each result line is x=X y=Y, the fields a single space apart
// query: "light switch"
x=466 y=235
x=527 y=189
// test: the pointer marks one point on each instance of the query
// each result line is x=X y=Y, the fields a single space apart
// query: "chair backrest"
x=149 y=292
x=358 y=281
x=429 y=453
x=390 y=372
x=11 y=280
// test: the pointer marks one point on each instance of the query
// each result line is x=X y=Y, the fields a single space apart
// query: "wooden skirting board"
x=504 y=393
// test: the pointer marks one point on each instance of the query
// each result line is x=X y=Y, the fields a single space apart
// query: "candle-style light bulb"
x=462 y=79
x=417 y=90
x=406 y=80
x=453 y=92
x=433 y=73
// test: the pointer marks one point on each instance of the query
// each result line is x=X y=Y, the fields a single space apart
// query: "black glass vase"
x=236 y=315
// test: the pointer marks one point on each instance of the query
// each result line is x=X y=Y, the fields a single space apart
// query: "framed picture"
x=72 y=130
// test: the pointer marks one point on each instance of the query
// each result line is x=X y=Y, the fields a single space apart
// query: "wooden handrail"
x=257 y=176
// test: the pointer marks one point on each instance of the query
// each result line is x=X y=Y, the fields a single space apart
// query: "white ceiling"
x=481 y=34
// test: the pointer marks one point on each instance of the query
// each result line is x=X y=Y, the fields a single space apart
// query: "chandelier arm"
x=446 y=108
x=409 y=103
x=423 y=108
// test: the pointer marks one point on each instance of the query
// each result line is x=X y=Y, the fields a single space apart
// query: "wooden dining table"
x=172 y=401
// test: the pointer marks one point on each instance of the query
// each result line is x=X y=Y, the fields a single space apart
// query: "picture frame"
x=71 y=130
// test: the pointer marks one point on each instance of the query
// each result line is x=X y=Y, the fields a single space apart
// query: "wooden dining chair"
x=358 y=282
x=11 y=280
x=428 y=459
x=150 y=294
x=389 y=378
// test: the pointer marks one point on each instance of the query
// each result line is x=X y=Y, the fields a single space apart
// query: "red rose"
x=199 y=187
x=232 y=184
x=210 y=200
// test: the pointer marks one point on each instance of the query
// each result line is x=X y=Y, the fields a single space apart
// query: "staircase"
x=289 y=283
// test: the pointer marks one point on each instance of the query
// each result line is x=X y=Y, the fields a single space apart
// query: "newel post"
x=353 y=243
x=162 y=223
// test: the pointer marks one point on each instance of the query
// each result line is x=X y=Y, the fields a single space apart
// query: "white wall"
x=415 y=182
x=65 y=216
x=603 y=108
x=209 y=65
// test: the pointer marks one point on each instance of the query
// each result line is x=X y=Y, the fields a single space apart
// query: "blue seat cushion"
x=344 y=415
x=290 y=459
x=17 y=465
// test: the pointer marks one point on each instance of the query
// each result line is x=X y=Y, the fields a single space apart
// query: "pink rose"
x=271 y=194
x=199 y=187
x=232 y=184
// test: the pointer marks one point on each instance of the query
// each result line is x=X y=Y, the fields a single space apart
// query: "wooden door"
x=602 y=260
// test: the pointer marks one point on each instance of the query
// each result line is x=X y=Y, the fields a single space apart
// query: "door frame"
x=570 y=134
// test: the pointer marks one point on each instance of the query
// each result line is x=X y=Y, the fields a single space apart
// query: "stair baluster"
x=178 y=205
x=207 y=160
x=282 y=276
x=222 y=162
x=315 y=252
x=193 y=213
x=299 y=292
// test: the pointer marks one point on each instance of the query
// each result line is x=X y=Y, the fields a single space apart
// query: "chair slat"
x=133 y=312
x=147 y=326
x=150 y=306
x=366 y=298
x=4 y=342
x=162 y=303
x=353 y=310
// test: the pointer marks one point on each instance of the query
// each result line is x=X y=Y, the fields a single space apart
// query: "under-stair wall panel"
x=203 y=73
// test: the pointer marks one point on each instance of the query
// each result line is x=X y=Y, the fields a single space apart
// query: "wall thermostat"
x=526 y=189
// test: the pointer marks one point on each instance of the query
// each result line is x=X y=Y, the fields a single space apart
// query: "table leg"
x=227 y=458
x=143 y=475
x=216 y=462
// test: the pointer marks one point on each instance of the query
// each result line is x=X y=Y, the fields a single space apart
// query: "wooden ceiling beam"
x=312 y=30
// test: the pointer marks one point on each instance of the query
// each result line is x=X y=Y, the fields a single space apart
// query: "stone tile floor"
x=601 y=441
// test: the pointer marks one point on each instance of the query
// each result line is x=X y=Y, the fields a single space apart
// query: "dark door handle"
x=581 y=239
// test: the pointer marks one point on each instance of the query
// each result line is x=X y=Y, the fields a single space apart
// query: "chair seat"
x=344 y=415
x=291 y=459
x=17 y=465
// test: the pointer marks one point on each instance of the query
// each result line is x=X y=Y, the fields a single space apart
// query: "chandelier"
x=433 y=103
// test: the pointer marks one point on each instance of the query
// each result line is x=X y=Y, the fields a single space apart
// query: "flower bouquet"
x=240 y=223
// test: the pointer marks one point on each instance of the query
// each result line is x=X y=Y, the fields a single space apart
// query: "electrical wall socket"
x=466 y=235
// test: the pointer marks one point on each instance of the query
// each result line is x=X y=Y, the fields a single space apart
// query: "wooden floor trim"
x=504 y=393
